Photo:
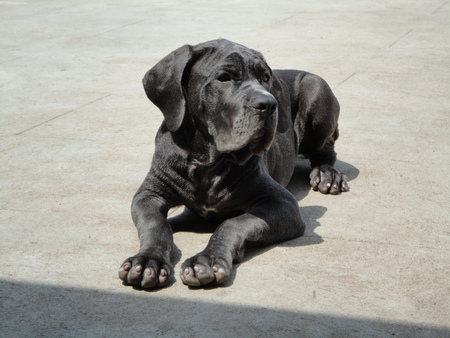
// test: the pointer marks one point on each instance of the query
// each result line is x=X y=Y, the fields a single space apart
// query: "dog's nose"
x=264 y=103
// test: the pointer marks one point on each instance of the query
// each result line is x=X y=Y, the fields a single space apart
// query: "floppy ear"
x=163 y=86
x=281 y=93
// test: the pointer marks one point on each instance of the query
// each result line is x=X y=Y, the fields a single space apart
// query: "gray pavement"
x=77 y=137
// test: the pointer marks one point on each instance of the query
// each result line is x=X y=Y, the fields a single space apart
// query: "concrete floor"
x=77 y=137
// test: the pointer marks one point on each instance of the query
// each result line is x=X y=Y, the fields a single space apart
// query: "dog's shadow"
x=299 y=186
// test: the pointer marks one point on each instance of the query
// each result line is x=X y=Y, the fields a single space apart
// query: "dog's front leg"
x=151 y=266
x=275 y=219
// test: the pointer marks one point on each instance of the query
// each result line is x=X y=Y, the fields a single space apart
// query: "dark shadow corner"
x=30 y=309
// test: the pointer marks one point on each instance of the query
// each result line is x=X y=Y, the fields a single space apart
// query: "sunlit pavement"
x=77 y=136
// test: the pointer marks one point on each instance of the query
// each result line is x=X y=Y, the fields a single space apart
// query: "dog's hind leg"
x=316 y=124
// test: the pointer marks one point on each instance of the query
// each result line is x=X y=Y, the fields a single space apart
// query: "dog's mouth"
x=258 y=144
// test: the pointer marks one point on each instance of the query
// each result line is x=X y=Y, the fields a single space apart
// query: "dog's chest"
x=211 y=193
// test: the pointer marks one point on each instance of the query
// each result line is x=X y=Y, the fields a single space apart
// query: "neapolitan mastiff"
x=232 y=130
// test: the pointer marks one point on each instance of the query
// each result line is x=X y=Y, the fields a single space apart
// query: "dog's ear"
x=163 y=85
x=281 y=93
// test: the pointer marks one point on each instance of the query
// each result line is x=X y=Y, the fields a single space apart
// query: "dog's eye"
x=266 y=78
x=225 y=77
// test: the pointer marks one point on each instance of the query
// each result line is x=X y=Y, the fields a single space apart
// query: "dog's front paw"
x=204 y=269
x=146 y=270
x=328 y=180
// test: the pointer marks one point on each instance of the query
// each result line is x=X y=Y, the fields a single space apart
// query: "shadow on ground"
x=35 y=310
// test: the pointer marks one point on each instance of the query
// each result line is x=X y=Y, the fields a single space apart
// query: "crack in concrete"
x=114 y=29
x=65 y=113
x=348 y=78
x=287 y=18
x=439 y=8
x=400 y=38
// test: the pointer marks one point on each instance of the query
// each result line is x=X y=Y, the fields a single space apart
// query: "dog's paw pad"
x=123 y=271
x=203 y=273
x=344 y=185
x=189 y=278
x=220 y=273
x=149 y=278
x=202 y=270
x=145 y=271
x=328 y=180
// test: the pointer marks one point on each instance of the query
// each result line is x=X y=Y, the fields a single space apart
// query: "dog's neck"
x=200 y=149
x=202 y=152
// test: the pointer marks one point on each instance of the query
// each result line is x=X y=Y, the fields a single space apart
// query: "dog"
x=226 y=150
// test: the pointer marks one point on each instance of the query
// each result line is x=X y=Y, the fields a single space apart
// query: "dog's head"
x=226 y=91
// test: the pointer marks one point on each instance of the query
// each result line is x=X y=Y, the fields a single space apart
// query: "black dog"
x=227 y=148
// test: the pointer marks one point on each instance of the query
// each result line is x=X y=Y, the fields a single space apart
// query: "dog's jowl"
x=226 y=150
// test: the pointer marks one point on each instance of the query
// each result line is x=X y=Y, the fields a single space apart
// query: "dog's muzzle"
x=265 y=106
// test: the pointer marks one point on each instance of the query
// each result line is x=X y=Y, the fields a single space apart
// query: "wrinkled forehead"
x=233 y=57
